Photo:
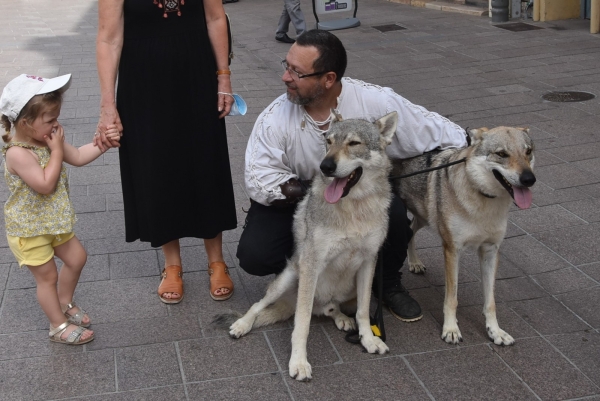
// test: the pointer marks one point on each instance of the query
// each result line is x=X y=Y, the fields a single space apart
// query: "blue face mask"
x=238 y=108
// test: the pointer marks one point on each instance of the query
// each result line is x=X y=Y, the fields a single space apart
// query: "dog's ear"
x=336 y=116
x=526 y=130
x=387 y=127
x=476 y=134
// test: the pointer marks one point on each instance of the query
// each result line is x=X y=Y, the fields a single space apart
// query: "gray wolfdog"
x=339 y=227
x=468 y=204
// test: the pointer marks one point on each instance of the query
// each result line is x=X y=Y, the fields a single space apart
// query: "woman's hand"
x=109 y=116
x=225 y=101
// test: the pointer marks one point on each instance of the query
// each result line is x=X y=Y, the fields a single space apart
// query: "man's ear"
x=330 y=78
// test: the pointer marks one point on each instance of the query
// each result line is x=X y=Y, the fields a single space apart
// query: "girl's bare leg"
x=46 y=278
x=74 y=257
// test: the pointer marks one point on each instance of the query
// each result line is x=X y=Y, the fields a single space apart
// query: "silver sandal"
x=74 y=338
x=77 y=318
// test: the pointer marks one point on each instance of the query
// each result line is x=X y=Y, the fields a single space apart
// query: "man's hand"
x=294 y=190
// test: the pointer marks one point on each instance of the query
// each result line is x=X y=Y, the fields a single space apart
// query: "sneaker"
x=284 y=39
x=401 y=304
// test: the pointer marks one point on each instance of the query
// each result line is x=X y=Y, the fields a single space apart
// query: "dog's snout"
x=527 y=178
x=328 y=166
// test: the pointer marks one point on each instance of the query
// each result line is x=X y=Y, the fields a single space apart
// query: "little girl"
x=39 y=215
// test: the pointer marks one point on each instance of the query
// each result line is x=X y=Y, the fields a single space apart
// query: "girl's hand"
x=109 y=116
x=112 y=133
x=56 y=139
x=224 y=101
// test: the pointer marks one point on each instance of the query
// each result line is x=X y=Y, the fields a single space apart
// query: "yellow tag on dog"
x=375 y=330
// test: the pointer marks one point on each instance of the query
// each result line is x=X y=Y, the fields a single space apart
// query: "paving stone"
x=547 y=316
x=250 y=388
x=88 y=204
x=95 y=269
x=171 y=393
x=319 y=349
x=140 y=331
x=36 y=378
x=477 y=367
x=546 y=371
x=592 y=270
x=32 y=344
x=564 y=281
x=543 y=195
x=518 y=288
x=578 y=245
x=21 y=312
x=582 y=349
x=586 y=209
x=544 y=218
x=584 y=304
x=472 y=323
x=198 y=357
x=530 y=255
x=147 y=366
x=348 y=380
x=134 y=264
x=433 y=259
x=120 y=300
x=566 y=175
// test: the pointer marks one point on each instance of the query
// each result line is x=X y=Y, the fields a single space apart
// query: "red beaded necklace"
x=170 y=6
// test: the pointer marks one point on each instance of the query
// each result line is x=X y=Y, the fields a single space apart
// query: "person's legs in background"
x=291 y=13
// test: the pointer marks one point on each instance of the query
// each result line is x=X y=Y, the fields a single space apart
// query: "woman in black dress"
x=171 y=59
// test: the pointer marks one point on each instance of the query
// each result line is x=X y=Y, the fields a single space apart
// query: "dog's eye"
x=328 y=141
x=528 y=152
x=354 y=143
x=502 y=154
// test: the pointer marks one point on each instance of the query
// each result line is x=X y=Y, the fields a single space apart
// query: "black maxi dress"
x=174 y=158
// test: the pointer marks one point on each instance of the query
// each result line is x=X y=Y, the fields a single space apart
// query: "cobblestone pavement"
x=462 y=66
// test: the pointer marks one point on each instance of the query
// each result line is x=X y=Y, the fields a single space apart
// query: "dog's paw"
x=500 y=337
x=417 y=267
x=374 y=345
x=239 y=328
x=451 y=335
x=300 y=370
x=345 y=323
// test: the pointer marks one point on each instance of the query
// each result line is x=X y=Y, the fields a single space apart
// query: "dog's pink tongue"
x=523 y=197
x=334 y=191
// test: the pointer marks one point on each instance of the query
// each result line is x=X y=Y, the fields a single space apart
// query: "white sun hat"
x=20 y=90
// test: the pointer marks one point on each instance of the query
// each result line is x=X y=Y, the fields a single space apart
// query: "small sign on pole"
x=325 y=7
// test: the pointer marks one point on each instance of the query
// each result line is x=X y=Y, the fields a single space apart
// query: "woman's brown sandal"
x=171 y=282
x=74 y=337
x=219 y=279
x=76 y=318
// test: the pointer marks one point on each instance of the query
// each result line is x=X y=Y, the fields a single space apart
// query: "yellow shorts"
x=35 y=251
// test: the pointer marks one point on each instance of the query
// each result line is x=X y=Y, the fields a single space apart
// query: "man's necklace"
x=316 y=124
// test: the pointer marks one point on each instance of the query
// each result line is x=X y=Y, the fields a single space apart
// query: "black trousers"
x=267 y=241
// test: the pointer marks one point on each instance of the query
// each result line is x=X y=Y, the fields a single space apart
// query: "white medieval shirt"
x=285 y=144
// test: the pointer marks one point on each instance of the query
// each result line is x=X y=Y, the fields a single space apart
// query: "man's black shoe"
x=401 y=304
x=284 y=39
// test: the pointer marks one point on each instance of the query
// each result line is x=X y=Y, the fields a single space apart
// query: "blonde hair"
x=32 y=110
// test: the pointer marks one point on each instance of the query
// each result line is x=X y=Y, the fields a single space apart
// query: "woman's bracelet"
x=223 y=72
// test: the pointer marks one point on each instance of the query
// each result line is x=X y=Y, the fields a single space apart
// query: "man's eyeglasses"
x=293 y=72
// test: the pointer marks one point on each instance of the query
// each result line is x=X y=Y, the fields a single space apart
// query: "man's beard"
x=302 y=100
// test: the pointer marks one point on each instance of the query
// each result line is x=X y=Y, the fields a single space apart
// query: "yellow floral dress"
x=28 y=213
